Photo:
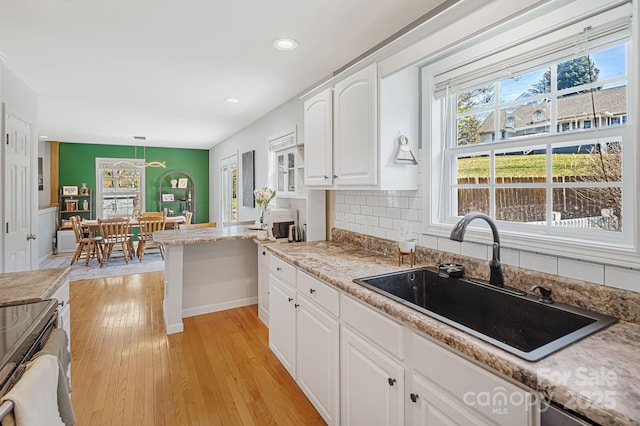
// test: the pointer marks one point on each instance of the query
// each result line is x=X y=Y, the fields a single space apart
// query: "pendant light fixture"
x=144 y=157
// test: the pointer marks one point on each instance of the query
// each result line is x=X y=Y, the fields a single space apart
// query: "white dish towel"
x=34 y=397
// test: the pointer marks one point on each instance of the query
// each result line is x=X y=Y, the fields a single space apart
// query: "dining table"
x=92 y=226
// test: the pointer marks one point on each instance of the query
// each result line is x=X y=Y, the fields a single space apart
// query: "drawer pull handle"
x=312 y=290
x=278 y=268
x=290 y=299
x=414 y=397
x=391 y=381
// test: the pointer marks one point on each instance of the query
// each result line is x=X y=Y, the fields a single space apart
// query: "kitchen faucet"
x=457 y=234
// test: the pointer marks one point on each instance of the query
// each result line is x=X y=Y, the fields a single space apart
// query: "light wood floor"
x=127 y=371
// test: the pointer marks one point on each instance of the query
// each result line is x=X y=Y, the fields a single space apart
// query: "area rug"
x=152 y=262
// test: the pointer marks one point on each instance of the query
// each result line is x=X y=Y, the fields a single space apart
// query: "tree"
x=469 y=126
x=572 y=73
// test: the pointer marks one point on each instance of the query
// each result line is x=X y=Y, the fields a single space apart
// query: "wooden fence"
x=529 y=204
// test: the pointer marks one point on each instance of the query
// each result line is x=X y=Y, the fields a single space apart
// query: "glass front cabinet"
x=289 y=165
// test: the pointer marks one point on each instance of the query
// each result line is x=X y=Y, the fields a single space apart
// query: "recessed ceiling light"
x=233 y=100
x=44 y=137
x=285 y=44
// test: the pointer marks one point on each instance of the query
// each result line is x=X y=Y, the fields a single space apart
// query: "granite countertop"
x=204 y=235
x=30 y=286
x=596 y=376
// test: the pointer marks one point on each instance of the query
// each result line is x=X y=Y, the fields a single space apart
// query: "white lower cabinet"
x=430 y=405
x=445 y=388
x=372 y=383
x=358 y=366
x=318 y=348
x=282 y=323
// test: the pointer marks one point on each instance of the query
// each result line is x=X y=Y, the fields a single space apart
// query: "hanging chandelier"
x=144 y=157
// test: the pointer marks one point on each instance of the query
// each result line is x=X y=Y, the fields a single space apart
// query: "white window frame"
x=120 y=164
x=599 y=247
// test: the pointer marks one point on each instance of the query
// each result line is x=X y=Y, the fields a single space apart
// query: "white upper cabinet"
x=288 y=165
x=318 y=136
x=354 y=129
x=352 y=132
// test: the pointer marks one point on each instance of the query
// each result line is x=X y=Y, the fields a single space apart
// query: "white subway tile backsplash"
x=508 y=256
x=539 y=262
x=360 y=219
x=410 y=214
x=474 y=250
x=378 y=232
x=585 y=271
x=445 y=244
x=392 y=234
x=366 y=210
x=381 y=213
x=428 y=241
x=385 y=222
x=394 y=213
x=402 y=202
x=625 y=278
x=372 y=221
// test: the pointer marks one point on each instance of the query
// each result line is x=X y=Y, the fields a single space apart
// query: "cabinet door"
x=281 y=173
x=282 y=323
x=263 y=284
x=372 y=384
x=432 y=406
x=318 y=358
x=355 y=141
x=318 y=140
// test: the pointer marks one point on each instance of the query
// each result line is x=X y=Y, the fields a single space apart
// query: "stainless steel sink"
x=509 y=319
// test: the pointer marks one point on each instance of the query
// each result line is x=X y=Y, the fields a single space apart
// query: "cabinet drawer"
x=470 y=383
x=283 y=270
x=379 y=329
x=321 y=293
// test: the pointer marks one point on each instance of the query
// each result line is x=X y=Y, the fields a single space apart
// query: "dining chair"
x=153 y=215
x=89 y=243
x=116 y=234
x=149 y=225
x=197 y=225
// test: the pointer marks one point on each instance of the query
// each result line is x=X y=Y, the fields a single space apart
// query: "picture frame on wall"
x=69 y=190
x=167 y=198
x=183 y=182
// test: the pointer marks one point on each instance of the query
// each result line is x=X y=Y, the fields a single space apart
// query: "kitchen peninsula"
x=207 y=270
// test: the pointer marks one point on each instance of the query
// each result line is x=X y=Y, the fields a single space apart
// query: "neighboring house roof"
x=607 y=101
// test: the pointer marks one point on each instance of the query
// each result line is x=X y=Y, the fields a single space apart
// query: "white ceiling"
x=105 y=71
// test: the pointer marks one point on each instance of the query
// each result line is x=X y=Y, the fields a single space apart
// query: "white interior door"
x=18 y=192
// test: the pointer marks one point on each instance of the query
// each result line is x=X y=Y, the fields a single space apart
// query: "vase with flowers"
x=263 y=197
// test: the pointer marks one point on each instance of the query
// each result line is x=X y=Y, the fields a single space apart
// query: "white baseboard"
x=216 y=307
x=45 y=257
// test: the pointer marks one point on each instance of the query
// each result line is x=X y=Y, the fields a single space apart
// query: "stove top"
x=20 y=327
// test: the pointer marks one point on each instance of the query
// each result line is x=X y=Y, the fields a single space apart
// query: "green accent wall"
x=78 y=164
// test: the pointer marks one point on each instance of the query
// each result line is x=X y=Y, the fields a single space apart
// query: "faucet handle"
x=545 y=294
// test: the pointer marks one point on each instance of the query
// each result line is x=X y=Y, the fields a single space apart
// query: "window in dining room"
x=120 y=189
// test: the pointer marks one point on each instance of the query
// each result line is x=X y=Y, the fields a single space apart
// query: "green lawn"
x=527 y=166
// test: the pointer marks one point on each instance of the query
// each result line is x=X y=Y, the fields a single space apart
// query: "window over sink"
x=539 y=134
